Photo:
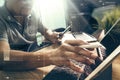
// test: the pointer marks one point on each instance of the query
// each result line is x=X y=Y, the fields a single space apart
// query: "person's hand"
x=70 y=50
x=52 y=36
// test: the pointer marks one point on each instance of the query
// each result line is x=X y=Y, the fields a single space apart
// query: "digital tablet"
x=112 y=44
x=104 y=64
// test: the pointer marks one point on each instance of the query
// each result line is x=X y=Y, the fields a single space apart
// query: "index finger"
x=75 y=42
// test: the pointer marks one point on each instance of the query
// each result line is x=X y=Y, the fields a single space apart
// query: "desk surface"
x=116 y=69
x=37 y=74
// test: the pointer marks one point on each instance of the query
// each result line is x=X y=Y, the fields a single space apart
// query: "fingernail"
x=94 y=56
x=81 y=70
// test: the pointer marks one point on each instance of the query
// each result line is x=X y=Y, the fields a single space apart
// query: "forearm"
x=20 y=60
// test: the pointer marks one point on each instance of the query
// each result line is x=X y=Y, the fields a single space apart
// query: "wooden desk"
x=116 y=69
x=37 y=74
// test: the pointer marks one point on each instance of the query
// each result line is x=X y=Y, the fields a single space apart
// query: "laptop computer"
x=112 y=45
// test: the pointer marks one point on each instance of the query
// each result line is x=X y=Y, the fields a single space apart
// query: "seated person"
x=18 y=28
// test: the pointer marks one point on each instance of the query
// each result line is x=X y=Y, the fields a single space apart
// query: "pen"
x=67 y=29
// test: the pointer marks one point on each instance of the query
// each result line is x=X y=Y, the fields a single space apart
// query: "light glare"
x=52 y=12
